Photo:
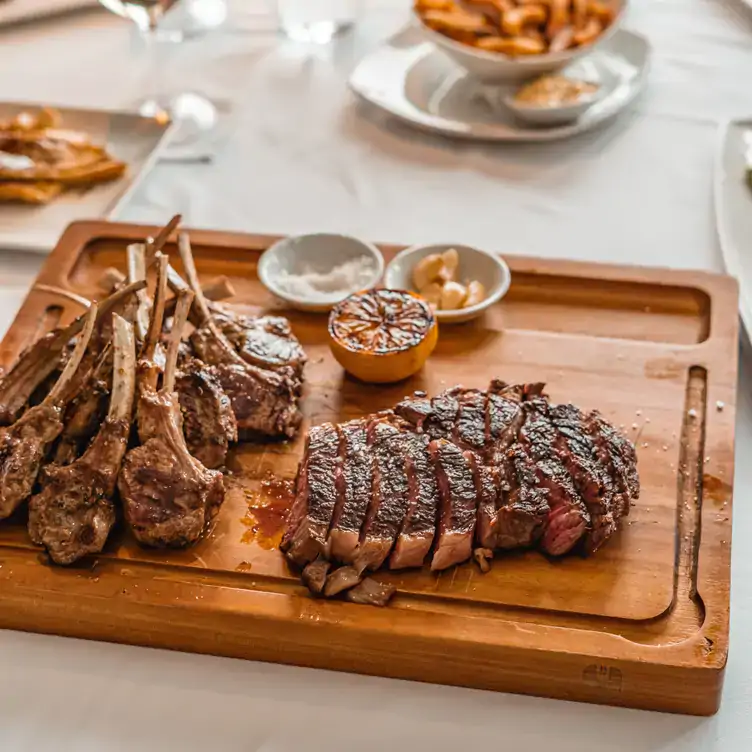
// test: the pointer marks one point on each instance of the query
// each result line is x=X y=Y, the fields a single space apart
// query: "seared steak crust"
x=499 y=468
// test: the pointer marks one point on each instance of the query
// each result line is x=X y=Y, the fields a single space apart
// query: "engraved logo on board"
x=605 y=677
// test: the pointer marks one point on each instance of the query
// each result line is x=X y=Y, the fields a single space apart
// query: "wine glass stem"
x=154 y=64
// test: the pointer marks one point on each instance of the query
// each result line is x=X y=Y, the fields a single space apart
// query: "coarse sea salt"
x=334 y=284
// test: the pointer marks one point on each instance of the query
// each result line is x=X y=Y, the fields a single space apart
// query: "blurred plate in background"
x=134 y=139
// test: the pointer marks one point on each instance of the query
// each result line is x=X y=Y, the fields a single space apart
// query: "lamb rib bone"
x=23 y=445
x=168 y=495
x=73 y=514
x=136 y=262
x=265 y=402
x=209 y=424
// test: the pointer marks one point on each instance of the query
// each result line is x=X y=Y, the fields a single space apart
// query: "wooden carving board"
x=642 y=623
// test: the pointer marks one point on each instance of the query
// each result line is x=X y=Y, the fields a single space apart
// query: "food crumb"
x=692 y=413
x=719 y=406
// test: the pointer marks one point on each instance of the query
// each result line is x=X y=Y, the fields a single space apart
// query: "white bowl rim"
x=500 y=57
x=487 y=302
x=271 y=285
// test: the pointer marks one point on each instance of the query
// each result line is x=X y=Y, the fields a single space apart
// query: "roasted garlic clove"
x=450 y=260
x=476 y=293
x=427 y=270
x=453 y=295
x=432 y=293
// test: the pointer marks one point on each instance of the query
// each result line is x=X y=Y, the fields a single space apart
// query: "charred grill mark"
x=390 y=496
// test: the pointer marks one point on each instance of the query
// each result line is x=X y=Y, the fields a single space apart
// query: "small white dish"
x=475 y=264
x=551 y=115
x=493 y=67
x=412 y=80
x=318 y=253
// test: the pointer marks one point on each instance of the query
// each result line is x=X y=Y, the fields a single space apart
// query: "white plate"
x=23 y=11
x=131 y=138
x=411 y=79
x=733 y=209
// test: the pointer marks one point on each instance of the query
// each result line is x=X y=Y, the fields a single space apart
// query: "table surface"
x=299 y=154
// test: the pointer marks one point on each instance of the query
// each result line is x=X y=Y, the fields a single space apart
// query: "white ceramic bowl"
x=475 y=264
x=494 y=67
x=544 y=115
x=320 y=253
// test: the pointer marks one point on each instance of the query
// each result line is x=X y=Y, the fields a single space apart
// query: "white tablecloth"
x=300 y=155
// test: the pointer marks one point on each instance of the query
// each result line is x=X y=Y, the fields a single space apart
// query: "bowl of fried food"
x=459 y=282
x=504 y=41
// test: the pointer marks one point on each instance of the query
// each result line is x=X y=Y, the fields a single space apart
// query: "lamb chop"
x=24 y=444
x=208 y=421
x=265 y=402
x=168 y=495
x=92 y=384
x=74 y=512
x=35 y=364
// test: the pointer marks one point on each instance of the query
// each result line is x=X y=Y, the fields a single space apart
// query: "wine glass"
x=193 y=113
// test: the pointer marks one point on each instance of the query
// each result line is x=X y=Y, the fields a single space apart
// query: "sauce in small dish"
x=553 y=99
x=554 y=91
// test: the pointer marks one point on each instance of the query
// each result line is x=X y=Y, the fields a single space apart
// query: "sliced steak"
x=457 y=505
x=436 y=417
x=316 y=496
x=504 y=417
x=487 y=492
x=578 y=452
x=419 y=526
x=357 y=480
x=617 y=453
x=470 y=427
x=522 y=505
x=390 y=498
x=568 y=518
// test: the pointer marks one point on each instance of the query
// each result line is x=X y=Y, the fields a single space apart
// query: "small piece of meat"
x=371 y=593
x=568 y=517
x=390 y=496
x=523 y=505
x=470 y=428
x=578 y=452
x=314 y=575
x=415 y=409
x=23 y=446
x=38 y=364
x=482 y=558
x=74 y=513
x=208 y=420
x=357 y=481
x=419 y=525
x=487 y=492
x=441 y=423
x=265 y=403
x=617 y=453
x=504 y=418
x=82 y=419
x=457 y=505
x=316 y=496
x=342 y=579
x=266 y=341
x=168 y=495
